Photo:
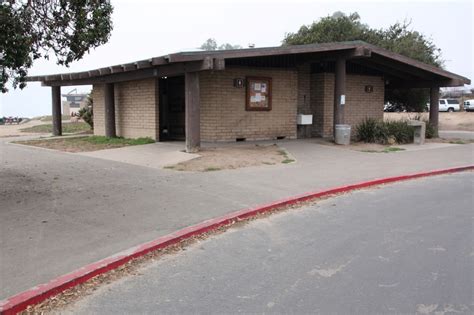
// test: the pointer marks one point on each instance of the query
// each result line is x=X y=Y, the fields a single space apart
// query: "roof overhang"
x=401 y=71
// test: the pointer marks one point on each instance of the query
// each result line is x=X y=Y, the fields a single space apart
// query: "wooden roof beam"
x=407 y=84
x=391 y=72
x=402 y=67
x=165 y=70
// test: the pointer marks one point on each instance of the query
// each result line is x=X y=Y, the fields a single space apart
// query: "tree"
x=37 y=29
x=399 y=38
x=211 y=44
x=86 y=113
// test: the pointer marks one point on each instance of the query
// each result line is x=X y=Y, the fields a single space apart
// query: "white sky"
x=144 y=29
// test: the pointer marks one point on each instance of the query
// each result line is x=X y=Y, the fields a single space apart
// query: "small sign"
x=369 y=88
x=343 y=99
x=238 y=83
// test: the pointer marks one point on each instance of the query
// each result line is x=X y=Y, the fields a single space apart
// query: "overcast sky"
x=144 y=29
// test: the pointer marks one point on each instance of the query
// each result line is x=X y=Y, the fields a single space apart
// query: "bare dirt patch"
x=447 y=121
x=15 y=130
x=215 y=159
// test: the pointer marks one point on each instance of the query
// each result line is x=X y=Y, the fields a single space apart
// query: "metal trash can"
x=343 y=134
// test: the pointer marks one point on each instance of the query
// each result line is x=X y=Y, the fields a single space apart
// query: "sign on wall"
x=259 y=94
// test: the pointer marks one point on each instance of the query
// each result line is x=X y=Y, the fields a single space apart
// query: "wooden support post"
x=109 y=104
x=339 y=93
x=434 y=108
x=56 y=112
x=193 y=118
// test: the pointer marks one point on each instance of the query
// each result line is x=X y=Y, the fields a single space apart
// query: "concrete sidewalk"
x=61 y=211
x=155 y=155
x=457 y=134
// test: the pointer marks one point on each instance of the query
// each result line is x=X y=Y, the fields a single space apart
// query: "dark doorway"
x=172 y=108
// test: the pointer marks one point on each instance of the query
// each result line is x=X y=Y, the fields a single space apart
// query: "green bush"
x=372 y=131
x=430 y=130
x=377 y=131
x=400 y=131
x=86 y=113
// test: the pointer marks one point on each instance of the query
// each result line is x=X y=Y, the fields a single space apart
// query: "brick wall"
x=359 y=104
x=304 y=98
x=99 y=109
x=136 y=110
x=223 y=114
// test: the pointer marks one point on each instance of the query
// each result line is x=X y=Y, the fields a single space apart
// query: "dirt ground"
x=215 y=159
x=14 y=130
x=447 y=121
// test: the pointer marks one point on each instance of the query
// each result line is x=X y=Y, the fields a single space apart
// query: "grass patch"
x=287 y=159
x=393 y=149
x=211 y=169
x=85 y=144
x=117 y=140
x=67 y=128
x=50 y=118
x=386 y=150
x=457 y=142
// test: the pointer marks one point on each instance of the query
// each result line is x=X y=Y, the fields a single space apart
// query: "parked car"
x=447 y=105
x=469 y=105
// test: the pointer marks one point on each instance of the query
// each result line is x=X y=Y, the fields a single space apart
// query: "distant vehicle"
x=447 y=105
x=469 y=105
x=389 y=107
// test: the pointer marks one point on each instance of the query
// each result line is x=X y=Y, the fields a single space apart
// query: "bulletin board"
x=259 y=94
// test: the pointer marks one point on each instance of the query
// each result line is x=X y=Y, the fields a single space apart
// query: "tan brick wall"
x=223 y=114
x=359 y=104
x=136 y=110
x=99 y=110
x=304 y=98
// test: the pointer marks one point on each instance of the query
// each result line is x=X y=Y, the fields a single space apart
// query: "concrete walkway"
x=155 y=155
x=60 y=211
x=457 y=134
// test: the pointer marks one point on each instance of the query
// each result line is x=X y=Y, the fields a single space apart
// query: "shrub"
x=86 y=113
x=400 y=131
x=430 y=130
x=376 y=131
x=372 y=131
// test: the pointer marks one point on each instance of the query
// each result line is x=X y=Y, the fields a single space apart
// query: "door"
x=172 y=108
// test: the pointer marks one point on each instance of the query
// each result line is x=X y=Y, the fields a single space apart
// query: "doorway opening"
x=172 y=108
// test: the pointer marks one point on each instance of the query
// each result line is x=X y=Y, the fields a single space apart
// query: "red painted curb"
x=37 y=294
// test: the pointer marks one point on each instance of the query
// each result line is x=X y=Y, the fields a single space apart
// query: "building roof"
x=400 y=70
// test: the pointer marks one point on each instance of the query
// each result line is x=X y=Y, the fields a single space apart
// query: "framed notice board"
x=259 y=94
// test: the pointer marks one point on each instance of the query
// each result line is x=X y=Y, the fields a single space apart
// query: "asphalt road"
x=59 y=211
x=403 y=248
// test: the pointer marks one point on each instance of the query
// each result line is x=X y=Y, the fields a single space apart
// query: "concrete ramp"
x=155 y=155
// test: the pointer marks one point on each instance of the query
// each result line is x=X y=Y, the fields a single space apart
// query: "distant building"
x=74 y=102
